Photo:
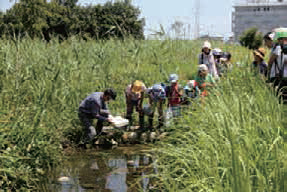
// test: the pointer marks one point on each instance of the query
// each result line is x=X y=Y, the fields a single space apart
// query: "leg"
x=87 y=120
x=99 y=127
x=139 y=109
x=130 y=107
x=160 y=114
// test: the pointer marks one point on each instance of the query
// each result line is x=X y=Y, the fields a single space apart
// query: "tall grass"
x=41 y=86
x=233 y=143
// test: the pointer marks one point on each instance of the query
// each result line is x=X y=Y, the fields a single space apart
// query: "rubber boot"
x=141 y=123
x=127 y=128
x=150 y=124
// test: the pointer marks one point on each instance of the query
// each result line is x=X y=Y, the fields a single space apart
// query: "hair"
x=267 y=36
x=111 y=92
x=226 y=55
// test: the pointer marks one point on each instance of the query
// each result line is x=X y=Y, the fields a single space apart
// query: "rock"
x=144 y=137
x=64 y=179
x=153 y=136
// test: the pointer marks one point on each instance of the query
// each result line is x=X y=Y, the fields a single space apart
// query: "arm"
x=97 y=112
x=213 y=67
x=271 y=61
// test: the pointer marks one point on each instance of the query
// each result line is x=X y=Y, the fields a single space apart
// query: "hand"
x=110 y=120
x=208 y=84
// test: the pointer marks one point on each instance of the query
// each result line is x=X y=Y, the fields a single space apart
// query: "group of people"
x=275 y=70
x=212 y=65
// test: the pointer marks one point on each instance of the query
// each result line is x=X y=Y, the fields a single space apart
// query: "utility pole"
x=196 y=19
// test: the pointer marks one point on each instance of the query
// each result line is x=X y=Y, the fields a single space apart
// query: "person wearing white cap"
x=174 y=93
x=204 y=80
x=206 y=57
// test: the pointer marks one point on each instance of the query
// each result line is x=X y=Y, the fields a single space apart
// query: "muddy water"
x=118 y=170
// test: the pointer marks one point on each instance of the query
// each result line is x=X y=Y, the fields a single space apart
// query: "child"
x=204 y=80
x=259 y=64
x=174 y=93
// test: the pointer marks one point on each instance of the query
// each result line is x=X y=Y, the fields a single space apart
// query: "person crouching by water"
x=157 y=96
x=204 y=80
x=259 y=65
x=174 y=93
x=95 y=106
x=134 y=98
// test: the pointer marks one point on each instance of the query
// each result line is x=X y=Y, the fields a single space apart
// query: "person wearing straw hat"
x=134 y=99
x=259 y=64
x=206 y=57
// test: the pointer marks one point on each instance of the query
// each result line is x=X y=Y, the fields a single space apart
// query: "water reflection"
x=113 y=170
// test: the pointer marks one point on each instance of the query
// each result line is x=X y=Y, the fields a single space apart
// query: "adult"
x=95 y=106
x=206 y=57
x=157 y=96
x=275 y=63
x=134 y=99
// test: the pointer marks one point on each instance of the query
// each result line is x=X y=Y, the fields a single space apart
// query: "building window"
x=258 y=9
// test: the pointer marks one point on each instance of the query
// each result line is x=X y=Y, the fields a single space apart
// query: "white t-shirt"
x=275 y=68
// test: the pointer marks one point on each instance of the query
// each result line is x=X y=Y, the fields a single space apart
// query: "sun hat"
x=191 y=84
x=260 y=52
x=137 y=86
x=158 y=92
x=202 y=67
x=280 y=33
x=206 y=44
x=217 y=51
x=173 y=78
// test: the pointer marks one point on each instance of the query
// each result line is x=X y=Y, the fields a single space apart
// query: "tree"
x=63 y=18
x=251 y=38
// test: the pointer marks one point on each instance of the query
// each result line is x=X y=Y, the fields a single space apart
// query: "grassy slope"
x=42 y=84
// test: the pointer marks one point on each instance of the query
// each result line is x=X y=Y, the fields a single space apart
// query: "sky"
x=214 y=16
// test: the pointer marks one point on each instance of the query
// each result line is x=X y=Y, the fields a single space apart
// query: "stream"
x=118 y=169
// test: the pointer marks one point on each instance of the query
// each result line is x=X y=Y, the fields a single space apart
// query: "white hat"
x=173 y=78
x=202 y=67
x=206 y=44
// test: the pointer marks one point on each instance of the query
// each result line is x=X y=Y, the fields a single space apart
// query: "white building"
x=263 y=14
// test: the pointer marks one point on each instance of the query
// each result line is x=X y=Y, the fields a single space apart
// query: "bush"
x=251 y=38
x=44 y=20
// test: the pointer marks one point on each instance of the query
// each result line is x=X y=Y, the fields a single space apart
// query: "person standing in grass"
x=157 y=96
x=134 y=99
x=174 y=93
x=95 y=106
x=259 y=65
x=206 y=57
x=204 y=80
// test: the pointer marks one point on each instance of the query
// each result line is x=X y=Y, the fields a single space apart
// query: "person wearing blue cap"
x=157 y=96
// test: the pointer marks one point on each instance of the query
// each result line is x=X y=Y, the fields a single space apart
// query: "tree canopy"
x=251 y=38
x=64 y=18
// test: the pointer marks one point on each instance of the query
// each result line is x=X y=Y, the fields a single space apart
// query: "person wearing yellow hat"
x=134 y=99
x=259 y=64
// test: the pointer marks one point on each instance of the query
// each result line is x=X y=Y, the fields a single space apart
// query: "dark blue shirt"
x=262 y=68
x=95 y=105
